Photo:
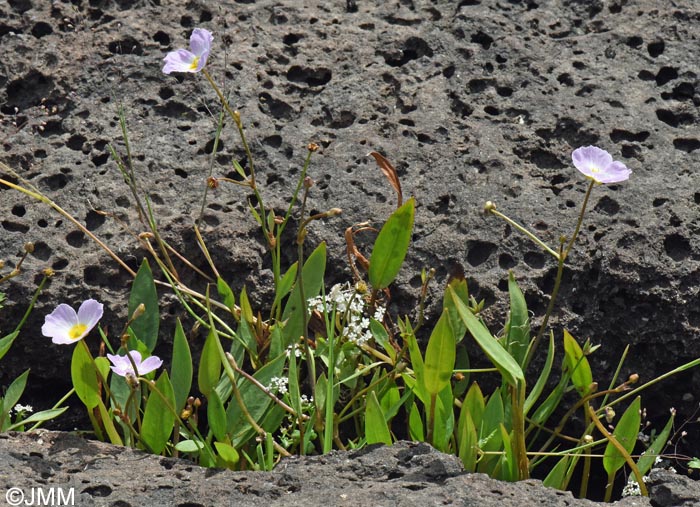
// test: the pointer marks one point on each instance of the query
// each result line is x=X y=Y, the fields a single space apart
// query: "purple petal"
x=150 y=364
x=90 y=313
x=122 y=365
x=179 y=61
x=59 y=322
x=614 y=173
x=202 y=61
x=590 y=158
x=200 y=41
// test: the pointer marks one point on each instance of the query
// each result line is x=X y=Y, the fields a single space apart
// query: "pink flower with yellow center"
x=182 y=60
x=65 y=326
x=599 y=165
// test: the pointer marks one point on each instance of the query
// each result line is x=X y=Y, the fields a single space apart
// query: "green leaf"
x=189 y=446
x=382 y=337
x=459 y=286
x=468 y=450
x=473 y=405
x=391 y=246
x=556 y=477
x=376 y=429
x=108 y=423
x=518 y=334
x=181 y=370
x=216 y=415
x=228 y=454
x=44 y=415
x=510 y=370
x=6 y=343
x=416 y=429
x=439 y=356
x=646 y=460
x=226 y=294
x=286 y=283
x=209 y=365
x=577 y=365
x=158 y=418
x=15 y=390
x=84 y=376
x=542 y=379
x=143 y=291
x=312 y=278
x=416 y=362
x=625 y=433
x=444 y=419
x=255 y=400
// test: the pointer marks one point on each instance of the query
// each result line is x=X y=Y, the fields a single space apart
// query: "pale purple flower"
x=182 y=60
x=122 y=365
x=599 y=166
x=64 y=326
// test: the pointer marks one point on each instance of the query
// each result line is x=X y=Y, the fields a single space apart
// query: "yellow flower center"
x=76 y=331
x=195 y=62
x=594 y=169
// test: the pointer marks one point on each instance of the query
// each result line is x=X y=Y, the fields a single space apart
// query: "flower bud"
x=609 y=414
x=212 y=183
x=489 y=207
x=334 y=212
x=29 y=247
x=140 y=310
x=633 y=379
x=587 y=439
x=308 y=182
x=312 y=147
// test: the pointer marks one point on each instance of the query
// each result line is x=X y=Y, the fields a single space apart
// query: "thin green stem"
x=580 y=220
x=527 y=233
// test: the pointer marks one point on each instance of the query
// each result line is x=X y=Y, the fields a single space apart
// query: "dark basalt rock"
x=406 y=474
x=472 y=101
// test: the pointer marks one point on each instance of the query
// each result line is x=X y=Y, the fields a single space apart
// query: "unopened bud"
x=279 y=220
x=212 y=182
x=313 y=147
x=609 y=414
x=308 y=182
x=334 y=212
x=140 y=310
x=633 y=379
x=237 y=118
x=197 y=403
x=489 y=207
x=29 y=247
x=587 y=439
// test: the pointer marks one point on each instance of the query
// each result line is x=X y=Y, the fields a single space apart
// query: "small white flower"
x=27 y=409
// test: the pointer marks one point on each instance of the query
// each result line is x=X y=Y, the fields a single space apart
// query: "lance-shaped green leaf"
x=626 y=432
x=537 y=390
x=376 y=429
x=646 y=461
x=439 y=356
x=181 y=371
x=6 y=343
x=312 y=278
x=209 y=365
x=44 y=415
x=459 y=285
x=158 y=418
x=12 y=396
x=507 y=366
x=216 y=415
x=225 y=292
x=391 y=246
x=143 y=291
x=518 y=327
x=577 y=365
x=84 y=376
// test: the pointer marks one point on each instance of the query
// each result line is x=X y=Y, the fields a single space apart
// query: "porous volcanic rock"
x=406 y=474
x=473 y=100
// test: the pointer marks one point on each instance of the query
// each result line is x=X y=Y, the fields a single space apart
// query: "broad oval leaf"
x=84 y=376
x=391 y=246
x=143 y=291
x=626 y=432
x=577 y=364
x=376 y=429
x=158 y=418
x=209 y=365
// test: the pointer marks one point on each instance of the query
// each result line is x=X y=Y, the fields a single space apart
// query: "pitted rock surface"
x=406 y=474
x=472 y=101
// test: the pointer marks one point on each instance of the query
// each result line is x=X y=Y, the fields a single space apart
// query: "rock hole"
x=665 y=75
x=18 y=210
x=76 y=141
x=687 y=145
x=535 y=260
x=607 y=205
x=41 y=29
x=93 y=220
x=677 y=247
x=76 y=239
x=161 y=38
x=479 y=252
x=125 y=46
x=483 y=39
x=656 y=48
x=634 y=42
x=506 y=261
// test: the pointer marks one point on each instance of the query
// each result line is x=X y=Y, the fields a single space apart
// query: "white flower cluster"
x=279 y=384
x=27 y=409
x=632 y=488
x=351 y=307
